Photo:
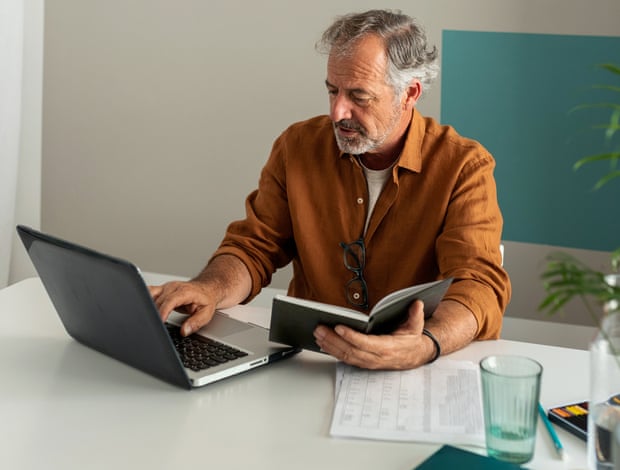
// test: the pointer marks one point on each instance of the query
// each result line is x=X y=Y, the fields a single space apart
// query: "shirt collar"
x=411 y=155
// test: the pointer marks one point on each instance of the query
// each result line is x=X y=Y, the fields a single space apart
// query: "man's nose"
x=340 y=108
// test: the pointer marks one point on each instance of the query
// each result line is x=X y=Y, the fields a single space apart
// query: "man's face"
x=366 y=114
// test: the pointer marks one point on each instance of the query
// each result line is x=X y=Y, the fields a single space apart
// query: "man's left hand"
x=405 y=348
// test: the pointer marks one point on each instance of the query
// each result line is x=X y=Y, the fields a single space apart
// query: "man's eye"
x=332 y=92
x=362 y=100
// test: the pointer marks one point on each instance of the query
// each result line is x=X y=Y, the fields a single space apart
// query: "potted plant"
x=566 y=278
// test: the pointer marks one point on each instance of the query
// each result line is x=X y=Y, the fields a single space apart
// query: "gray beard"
x=361 y=143
x=356 y=145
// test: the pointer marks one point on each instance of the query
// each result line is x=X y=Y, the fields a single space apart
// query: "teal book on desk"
x=452 y=457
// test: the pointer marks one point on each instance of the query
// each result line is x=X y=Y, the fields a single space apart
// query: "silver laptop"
x=104 y=303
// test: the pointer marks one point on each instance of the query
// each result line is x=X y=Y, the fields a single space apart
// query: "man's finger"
x=197 y=320
x=155 y=291
x=415 y=319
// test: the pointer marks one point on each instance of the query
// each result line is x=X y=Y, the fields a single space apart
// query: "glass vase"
x=604 y=406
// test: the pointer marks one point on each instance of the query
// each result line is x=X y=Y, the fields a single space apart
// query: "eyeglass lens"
x=356 y=289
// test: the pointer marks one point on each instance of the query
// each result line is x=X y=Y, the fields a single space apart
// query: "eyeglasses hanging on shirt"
x=356 y=290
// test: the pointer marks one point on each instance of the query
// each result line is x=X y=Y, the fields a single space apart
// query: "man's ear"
x=412 y=94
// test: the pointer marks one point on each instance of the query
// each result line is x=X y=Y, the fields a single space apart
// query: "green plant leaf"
x=596 y=158
x=605 y=179
x=615 y=261
x=611 y=67
x=566 y=278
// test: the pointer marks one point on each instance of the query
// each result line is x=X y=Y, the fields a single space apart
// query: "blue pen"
x=554 y=437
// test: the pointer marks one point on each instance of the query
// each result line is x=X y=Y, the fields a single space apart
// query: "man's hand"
x=223 y=283
x=192 y=298
x=406 y=348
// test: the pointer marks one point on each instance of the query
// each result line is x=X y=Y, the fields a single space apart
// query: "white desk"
x=63 y=406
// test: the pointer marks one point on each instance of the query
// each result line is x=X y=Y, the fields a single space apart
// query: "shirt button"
x=360 y=200
x=356 y=296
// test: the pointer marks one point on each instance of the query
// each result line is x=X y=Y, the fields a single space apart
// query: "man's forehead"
x=361 y=68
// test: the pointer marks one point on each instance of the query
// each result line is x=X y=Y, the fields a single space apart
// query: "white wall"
x=28 y=195
x=158 y=114
x=11 y=40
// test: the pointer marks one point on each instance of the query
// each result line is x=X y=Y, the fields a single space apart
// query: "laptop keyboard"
x=199 y=353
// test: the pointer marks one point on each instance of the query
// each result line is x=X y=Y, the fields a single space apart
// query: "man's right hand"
x=192 y=298
x=223 y=283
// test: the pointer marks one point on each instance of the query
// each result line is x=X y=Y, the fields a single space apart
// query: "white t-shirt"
x=375 y=179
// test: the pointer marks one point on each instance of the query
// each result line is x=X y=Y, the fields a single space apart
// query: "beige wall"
x=158 y=114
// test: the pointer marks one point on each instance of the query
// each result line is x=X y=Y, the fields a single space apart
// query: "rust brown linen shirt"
x=436 y=217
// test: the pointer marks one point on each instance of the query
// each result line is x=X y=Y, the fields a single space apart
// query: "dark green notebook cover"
x=293 y=320
x=448 y=457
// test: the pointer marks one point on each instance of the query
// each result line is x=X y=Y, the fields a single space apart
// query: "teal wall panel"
x=515 y=93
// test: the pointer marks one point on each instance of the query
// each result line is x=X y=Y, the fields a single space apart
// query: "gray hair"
x=409 y=56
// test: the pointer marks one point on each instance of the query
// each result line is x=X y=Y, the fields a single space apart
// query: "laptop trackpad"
x=222 y=326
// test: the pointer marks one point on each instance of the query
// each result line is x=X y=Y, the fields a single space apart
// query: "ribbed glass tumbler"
x=510 y=394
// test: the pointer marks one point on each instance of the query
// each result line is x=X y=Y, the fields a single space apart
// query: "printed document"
x=439 y=403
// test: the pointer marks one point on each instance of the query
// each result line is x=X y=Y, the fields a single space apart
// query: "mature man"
x=397 y=197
